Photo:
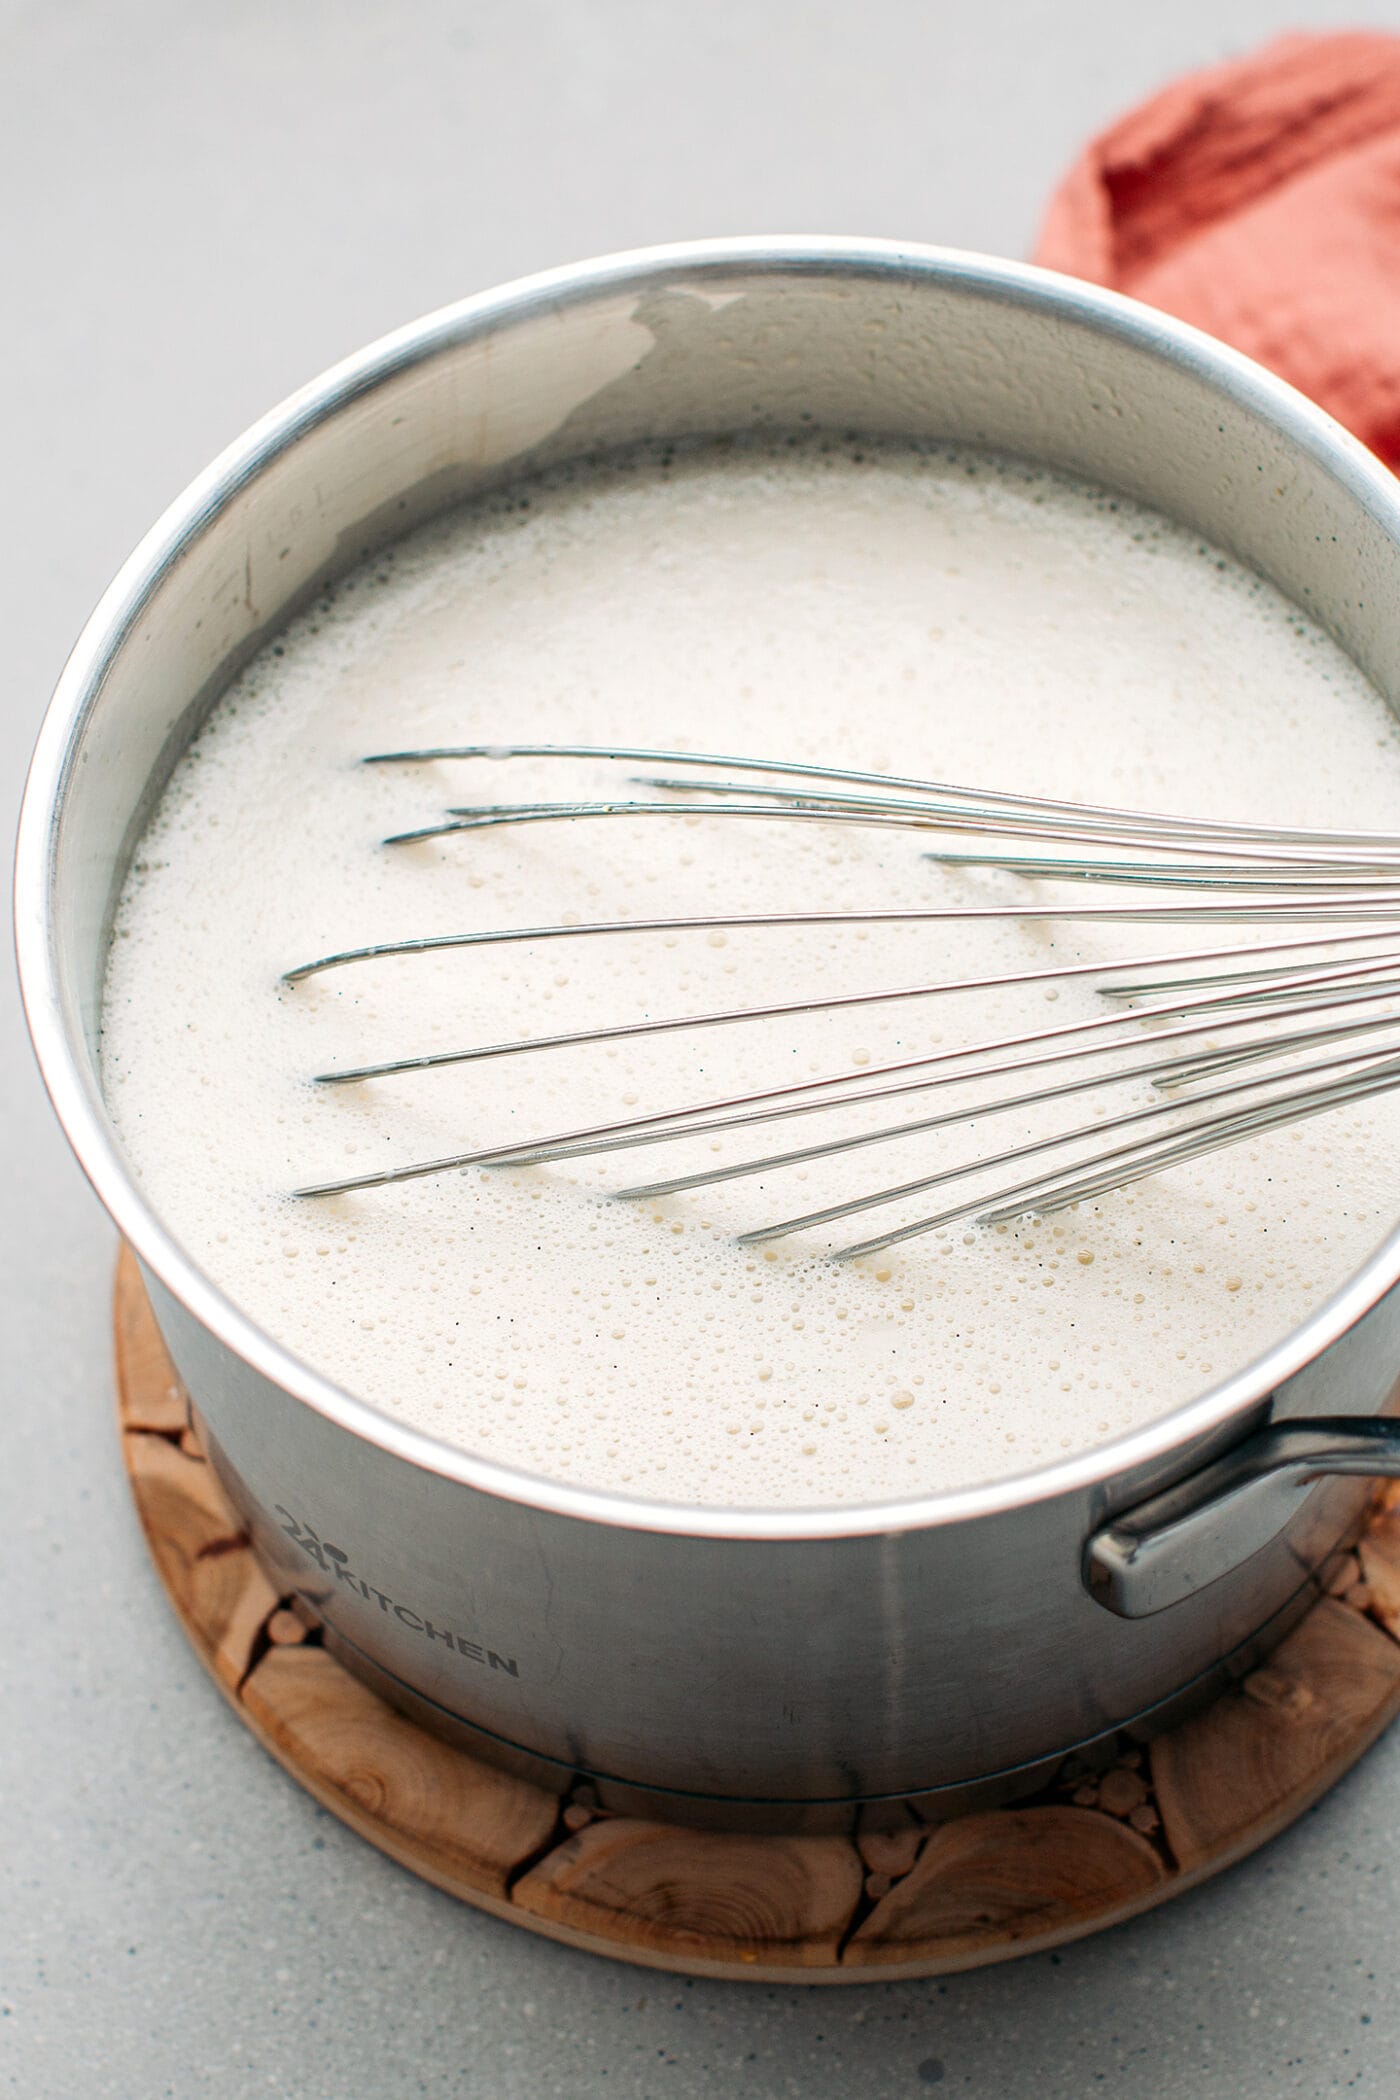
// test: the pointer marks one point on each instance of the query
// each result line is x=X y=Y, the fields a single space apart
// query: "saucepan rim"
x=64 y=1065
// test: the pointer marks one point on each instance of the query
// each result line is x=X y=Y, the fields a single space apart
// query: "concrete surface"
x=202 y=205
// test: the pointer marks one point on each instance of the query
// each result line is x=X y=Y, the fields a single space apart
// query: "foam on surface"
x=939 y=614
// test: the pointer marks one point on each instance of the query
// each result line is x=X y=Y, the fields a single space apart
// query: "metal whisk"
x=1318 y=1011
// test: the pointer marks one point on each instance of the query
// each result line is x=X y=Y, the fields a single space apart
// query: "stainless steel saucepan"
x=775 y=1667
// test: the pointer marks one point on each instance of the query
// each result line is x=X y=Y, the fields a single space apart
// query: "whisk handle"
x=1191 y=1534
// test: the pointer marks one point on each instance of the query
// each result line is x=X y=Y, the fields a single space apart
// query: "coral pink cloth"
x=1261 y=201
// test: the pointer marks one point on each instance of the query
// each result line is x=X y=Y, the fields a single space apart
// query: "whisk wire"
x=1124 y=1164
x=1260 y=875
x=996 y=798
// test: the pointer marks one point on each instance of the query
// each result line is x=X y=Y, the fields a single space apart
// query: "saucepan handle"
x=1174 y=1544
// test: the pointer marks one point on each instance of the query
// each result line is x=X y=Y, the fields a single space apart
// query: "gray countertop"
x=202 y=206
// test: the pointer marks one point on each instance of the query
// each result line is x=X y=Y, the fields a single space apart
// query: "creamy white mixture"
x=937 y=614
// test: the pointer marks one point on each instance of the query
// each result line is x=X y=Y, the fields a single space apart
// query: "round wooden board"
x=895 y=1897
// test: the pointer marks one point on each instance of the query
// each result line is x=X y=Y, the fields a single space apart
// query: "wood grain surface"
x=1108 y=1837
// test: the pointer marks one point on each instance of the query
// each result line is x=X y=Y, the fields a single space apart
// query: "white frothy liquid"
x=940 y=615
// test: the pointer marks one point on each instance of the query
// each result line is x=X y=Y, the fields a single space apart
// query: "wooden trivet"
x=898 y=1897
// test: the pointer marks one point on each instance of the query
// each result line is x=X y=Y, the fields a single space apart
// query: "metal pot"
x=775 y=1666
